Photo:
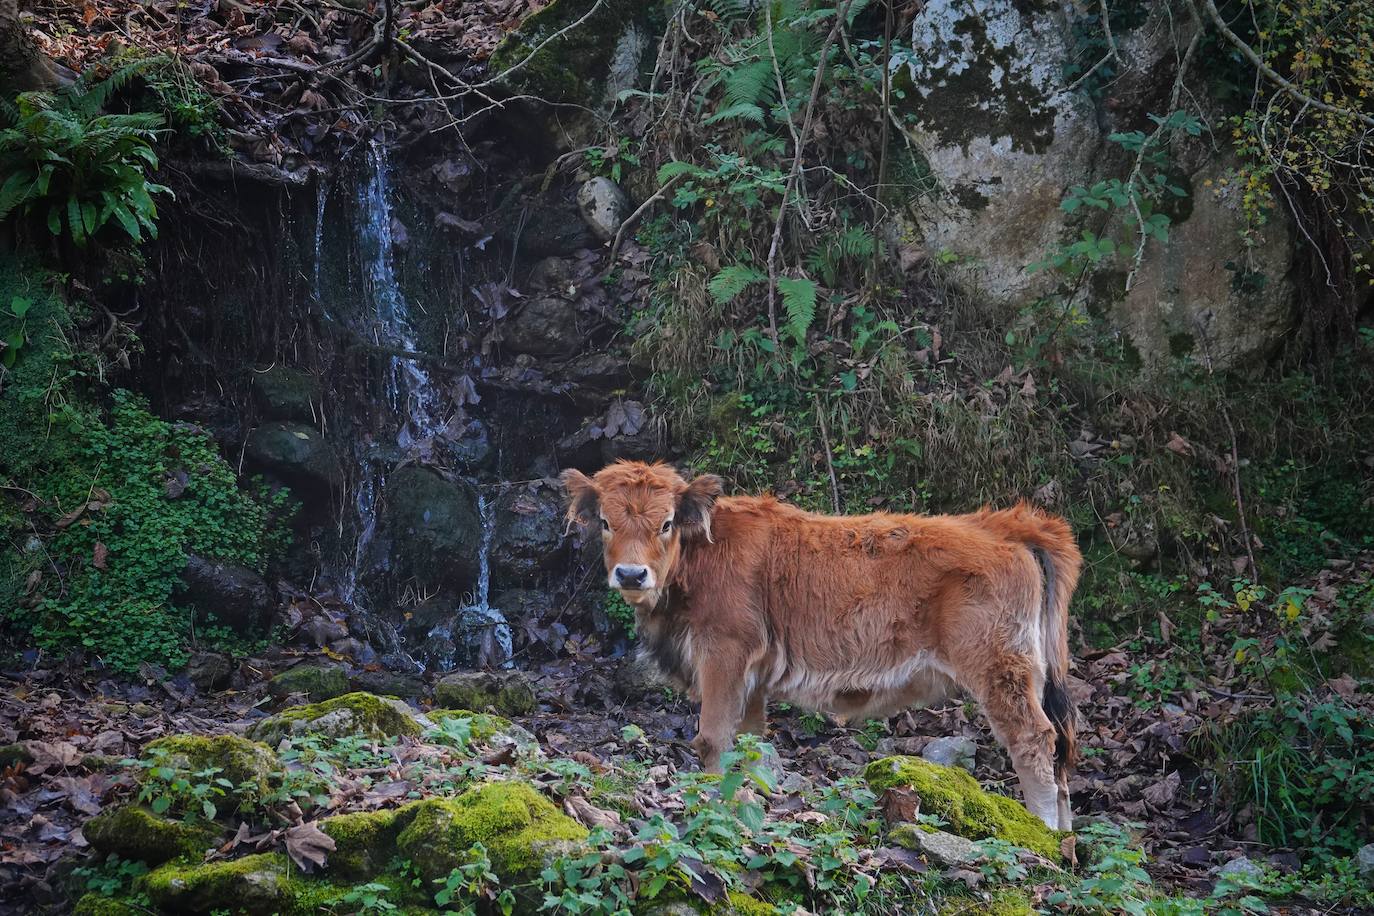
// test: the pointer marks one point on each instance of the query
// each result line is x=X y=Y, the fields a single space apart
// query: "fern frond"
x=730 y=281
x=799 y=301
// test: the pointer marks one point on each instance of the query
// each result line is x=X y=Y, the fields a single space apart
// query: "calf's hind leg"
x=1008 y=695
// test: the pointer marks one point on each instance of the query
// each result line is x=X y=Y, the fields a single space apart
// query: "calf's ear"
x=583 y=501
x=695 y=505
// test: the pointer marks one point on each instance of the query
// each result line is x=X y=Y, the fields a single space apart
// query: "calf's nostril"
x=631 y=575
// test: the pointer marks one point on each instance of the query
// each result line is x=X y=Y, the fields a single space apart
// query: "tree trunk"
x=23 y=67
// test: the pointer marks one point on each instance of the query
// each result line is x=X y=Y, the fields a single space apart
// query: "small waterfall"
x=321 y=198
x=483 y=629
x=410 y=391
x=475 y=631
x=365 y=508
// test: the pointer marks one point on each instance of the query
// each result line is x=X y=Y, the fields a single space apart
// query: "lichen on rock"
x=520 y=828
x=133 y=832
x=968 y=810
x=351 y=714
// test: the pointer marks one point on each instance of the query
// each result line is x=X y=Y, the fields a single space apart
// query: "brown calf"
x=740 y=599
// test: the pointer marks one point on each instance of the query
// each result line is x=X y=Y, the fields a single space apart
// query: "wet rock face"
x=234 y=596
x=298 y=454
x=546 y=326
x=528 y=539
x=283 y=393
x=431 y=533
x=541 y=228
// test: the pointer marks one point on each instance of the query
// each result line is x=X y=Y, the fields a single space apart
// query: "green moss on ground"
x=970 y=811
x=520 y=828
x=351 y=714
x=100 y=905
x=238 y=759
x=12 y=754
x=317 y=682
x=134 y=832
x=1006 y=902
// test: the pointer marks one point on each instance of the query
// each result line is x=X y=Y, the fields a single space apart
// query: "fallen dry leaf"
x=307 y=845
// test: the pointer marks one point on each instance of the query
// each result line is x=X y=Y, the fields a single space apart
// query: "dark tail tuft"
x=1059 y=708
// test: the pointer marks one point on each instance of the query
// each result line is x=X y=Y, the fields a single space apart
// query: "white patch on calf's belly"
x=920 y=679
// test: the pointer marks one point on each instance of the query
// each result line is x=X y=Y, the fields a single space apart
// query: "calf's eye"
x=667 y=526
x=605 y=525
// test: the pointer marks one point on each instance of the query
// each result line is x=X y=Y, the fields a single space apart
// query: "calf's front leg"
x=721 y=682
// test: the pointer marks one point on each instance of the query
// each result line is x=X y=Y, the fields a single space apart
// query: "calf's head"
x=646 y=512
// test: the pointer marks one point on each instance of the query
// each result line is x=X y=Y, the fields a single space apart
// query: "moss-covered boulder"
x=506 y=692
x=134 y=832
x=520 y=828
x=968 y=810
x=588 y=63
x=254 y=884
x=249 y=765
x=297 y=453
x=364 y=842
x=351 y=714
x=316 y=682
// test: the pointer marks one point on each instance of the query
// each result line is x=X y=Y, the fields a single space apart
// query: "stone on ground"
x=351 y=714
x=508 y=693
x=315 y=682
x=951 y=751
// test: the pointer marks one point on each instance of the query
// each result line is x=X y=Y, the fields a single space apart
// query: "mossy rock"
x=574 y=67
x=238 y=759
x=100 y=905
x=283 y=393
x=364 y=841
x=134 y=832
x=508 y=692
x=351 y=714
x=520 y=828
x=484 y=726
x=254 y=884
x=969 y=810
x=317 y=682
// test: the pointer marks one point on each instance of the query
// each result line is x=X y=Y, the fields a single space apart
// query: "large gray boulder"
x=1002 y=136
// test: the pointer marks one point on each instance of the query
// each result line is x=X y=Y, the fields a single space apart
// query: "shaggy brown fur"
x=741 y=599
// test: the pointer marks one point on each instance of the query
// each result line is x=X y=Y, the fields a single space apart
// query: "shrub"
x=80 y=169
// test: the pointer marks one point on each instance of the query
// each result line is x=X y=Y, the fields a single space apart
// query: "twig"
x=776 y=244
x=887 y=108
x=633 y=217
x=1273 y=75
x=1235 y=460
x=829 y=460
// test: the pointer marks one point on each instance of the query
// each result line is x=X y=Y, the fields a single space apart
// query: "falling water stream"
x=413 y=397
